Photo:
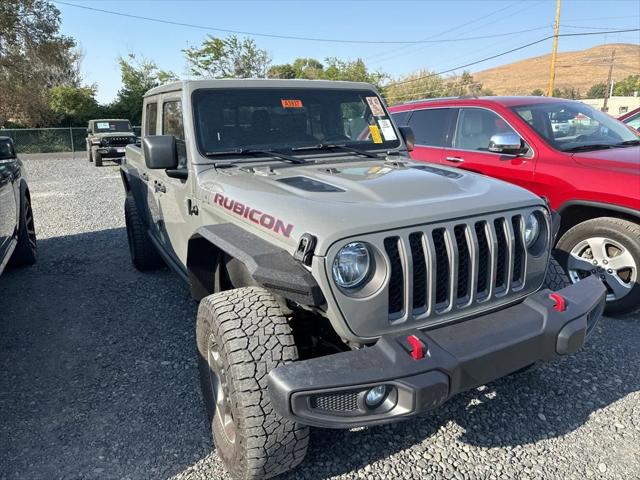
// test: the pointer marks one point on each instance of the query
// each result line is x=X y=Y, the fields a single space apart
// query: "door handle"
x=144 y=176
x=455 y=159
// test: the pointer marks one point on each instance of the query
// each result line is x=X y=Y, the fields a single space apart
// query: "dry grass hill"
x=580 y=70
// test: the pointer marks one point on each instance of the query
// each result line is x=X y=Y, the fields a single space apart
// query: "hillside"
x=580 y=69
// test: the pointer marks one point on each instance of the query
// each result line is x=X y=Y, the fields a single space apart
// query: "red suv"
x=584 y=162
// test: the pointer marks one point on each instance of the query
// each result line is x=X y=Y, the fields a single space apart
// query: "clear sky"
x=103 y=37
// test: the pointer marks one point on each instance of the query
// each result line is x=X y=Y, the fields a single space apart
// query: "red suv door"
x=431 y=127
x=470 y=148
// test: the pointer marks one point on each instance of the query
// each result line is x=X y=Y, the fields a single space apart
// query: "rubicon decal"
x=254 y=215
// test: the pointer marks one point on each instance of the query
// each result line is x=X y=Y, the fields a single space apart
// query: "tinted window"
x=151 y=118
x=6 y=149
x=172 y=125
x=172 y=119
x=431 y=127
x=475 y=128
x=101 y=126
x=277 y=118
x=401 y=118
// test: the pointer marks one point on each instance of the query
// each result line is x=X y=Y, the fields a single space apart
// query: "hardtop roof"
x=190 y=85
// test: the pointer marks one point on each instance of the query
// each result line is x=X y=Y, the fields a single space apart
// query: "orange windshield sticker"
x=375 y=134
x=288 y=103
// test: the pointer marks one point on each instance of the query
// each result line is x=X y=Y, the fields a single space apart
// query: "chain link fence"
x=50 y=140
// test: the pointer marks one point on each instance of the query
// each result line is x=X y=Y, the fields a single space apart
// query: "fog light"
x=375 y=396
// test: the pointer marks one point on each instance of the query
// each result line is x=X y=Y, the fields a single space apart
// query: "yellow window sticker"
x=375 y=134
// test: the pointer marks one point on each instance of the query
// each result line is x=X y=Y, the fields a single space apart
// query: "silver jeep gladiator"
x=107 y=139
x=340 y=283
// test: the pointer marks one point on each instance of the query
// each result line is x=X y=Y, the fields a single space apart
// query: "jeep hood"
x=625 y=159
x=342 y=200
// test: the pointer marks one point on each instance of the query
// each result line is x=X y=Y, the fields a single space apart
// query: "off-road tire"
x=98 y=159
x=556 y=277
x=626 y=233
x=90 y=156
x=26 y=250
x=253 y=337
x=144 y=255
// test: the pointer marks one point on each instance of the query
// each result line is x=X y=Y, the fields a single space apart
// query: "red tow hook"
x=417 y=347
x=560 y=302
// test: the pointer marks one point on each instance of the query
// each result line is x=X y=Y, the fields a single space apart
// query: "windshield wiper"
x=627 y=143
x=595 y=146
x=253 y=151
x=330 y=146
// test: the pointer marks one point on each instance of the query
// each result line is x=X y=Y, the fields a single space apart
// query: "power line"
x=381 y=55
x=287 y=37
x=507 y=52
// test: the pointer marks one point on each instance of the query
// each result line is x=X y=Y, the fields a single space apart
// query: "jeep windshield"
x=576 y=127
x=103 y=126
x=273 y=119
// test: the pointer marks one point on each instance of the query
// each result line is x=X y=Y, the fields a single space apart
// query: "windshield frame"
x=600 y=117
x=398 y=143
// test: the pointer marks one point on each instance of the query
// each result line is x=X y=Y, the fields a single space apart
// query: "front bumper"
x=111 y=152
x=329 y=391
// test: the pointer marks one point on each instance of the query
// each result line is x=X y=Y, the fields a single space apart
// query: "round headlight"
x=531 y=229
x=351 y=265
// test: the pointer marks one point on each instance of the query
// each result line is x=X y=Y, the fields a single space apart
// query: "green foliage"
x=73 y=106
x=538 y=92
x=426 y=84
x=333 y=69
x=138 y=76
x=567 y=92
x=597 y=91
x=229 y=57
x=34 y=57
x=628 y=86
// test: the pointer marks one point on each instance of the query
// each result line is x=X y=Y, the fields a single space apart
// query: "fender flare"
x=269 y=266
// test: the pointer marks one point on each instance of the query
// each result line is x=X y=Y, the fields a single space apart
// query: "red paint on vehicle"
x=602 y=177
x=417 y=348
x=254 y=215
x=560 y=302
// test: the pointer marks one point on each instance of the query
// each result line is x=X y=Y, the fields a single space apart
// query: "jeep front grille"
x=442 y=268
x=117 y=141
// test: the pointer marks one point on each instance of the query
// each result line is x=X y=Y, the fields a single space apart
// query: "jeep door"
x=469 y=148
x=431 y=127
x=173 y=194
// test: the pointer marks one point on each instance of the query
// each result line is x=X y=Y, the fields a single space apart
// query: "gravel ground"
x=98 y=376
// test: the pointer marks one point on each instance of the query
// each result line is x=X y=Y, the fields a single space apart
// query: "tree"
x=34 y=57
x=73 y=106
x=138 y=76
x=567 y=92
x=229 y=57
x=537 y=92
x=597 y=91
x=628 y=86
x=426 y=84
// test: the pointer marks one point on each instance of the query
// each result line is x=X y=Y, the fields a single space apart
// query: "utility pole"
x=554 y=51
x=609 y=91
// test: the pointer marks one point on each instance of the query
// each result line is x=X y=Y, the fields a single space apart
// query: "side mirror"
x=88 y=131
x=160 y=152
x=508 y=143
x=408 y=137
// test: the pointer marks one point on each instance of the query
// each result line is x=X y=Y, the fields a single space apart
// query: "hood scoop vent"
x=309 y=184
x=438 y=171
